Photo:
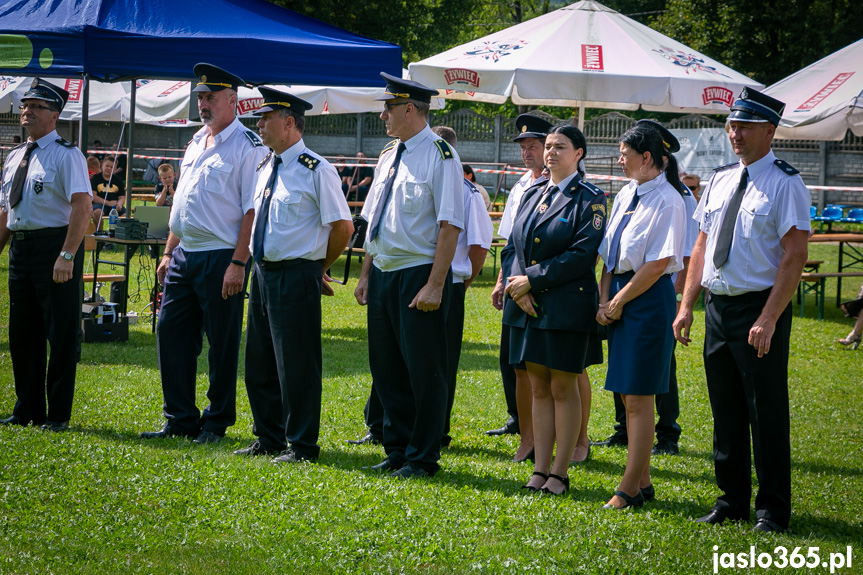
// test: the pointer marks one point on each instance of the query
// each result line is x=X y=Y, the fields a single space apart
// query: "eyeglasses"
x=391 y=106
x=23 y=107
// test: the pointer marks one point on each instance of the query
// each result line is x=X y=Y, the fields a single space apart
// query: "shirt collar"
x=293 y=152
x=755 y=168
x=47 y=139
x=419 y=137
x=564 y=183
x=221 y=136
x=651 y=185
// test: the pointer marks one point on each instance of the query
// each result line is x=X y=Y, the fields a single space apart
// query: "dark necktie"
x=614 y=247
x=17 y=190
x=263 y=214
x=541 y=206
x=726 y=232
x=381 y=206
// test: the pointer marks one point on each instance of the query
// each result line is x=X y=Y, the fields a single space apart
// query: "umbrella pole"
x=132 y=106
x=581 y=117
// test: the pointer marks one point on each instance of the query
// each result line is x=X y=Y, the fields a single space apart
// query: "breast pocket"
x=753 y=215
x=286 y=209
x=43 y=185
x=216 y=176
x=414 y=194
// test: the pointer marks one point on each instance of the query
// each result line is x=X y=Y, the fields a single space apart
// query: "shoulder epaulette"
x=253 y=138
x=685 y=191
x=726 y=167
x=786 y=167
x=388 y=147
x=444 y=149
x=471 y=186
x=65 y=143
x=308 y=161
x=593 y=189
x=264 y=161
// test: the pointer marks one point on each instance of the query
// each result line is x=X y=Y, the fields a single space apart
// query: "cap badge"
x=204 y=78
x=524 y=129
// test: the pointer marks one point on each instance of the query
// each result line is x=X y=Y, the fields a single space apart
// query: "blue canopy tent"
x=112 y=40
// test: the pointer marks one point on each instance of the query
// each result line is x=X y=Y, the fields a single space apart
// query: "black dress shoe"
x=206 y=437
x=717 y=517
x=385 y=465
x=411 y=471
x=256 y=449
x=616 y=440
x=291 y=456
x=636 y=501
x=15 y=420
x=766 y=526
x=55 y=426
x=367 y=438
x=665 y=447
x=509 y=428
x=166 y=432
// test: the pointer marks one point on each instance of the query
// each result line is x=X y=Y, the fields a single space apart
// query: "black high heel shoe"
x=636 y=501
x=531 y=487
x=564 y=480
x=530 y=455
x=649 y=493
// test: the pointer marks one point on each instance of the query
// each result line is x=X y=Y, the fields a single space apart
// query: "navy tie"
x=726 y=232
x=614 y=248
x=263 y=214
x=17 y=190
x=381 y=207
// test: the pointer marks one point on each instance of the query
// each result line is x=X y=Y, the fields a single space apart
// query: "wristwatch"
x=68 y=256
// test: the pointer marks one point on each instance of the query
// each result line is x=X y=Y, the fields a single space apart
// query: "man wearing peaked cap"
x=204 y=267
x=302 y=225
x=753 y=243
x=415 y=211
x=532 y=131
x=45 y=203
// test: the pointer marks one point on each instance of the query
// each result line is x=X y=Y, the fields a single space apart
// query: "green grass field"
x=98 y=499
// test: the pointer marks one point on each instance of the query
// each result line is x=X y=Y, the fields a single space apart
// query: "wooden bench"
x=89 y=249
x=813 y=282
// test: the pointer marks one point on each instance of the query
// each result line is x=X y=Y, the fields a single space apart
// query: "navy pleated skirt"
x=641 y=342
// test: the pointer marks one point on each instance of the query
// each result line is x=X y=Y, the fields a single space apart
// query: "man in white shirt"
x=205 y=265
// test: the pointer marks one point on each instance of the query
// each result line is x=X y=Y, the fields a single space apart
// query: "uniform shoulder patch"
x=786 y=167
x=264 y=161
x=389 y=147
x=65 y=143
x=308 y=161
x=726 y=167
x=444 y=149
x=471 y=186
x=253 y=138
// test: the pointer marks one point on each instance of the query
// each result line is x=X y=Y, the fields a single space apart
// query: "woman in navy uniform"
x=643 y=245
x=553 y=298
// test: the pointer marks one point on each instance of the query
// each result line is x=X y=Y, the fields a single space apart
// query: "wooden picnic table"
x=850 y=254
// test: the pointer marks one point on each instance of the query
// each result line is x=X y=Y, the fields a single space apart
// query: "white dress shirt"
x=56 y=171
x=656 y=230
x=477 y=232
x=305 y=203
x=773 y=203
x=513 y=201
x=216 y=188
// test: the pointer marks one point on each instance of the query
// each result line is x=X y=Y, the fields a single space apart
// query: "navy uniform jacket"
x=559 y=257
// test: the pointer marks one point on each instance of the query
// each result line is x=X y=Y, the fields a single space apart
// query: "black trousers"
x=454 y=336
x=507 y=374
x=283 y=356
x=42 y=314
x=749 y=394
x=408 y=360
x=667 y=408
x=192 y=306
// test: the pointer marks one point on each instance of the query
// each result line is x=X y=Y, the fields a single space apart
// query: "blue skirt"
x=641 y=342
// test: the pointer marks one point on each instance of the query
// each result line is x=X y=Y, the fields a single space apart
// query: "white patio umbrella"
x=583 y=55
x=825 y=99
x=105 y=100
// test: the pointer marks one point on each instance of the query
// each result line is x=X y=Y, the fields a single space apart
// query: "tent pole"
x=132 y=106
x=581 y=117
x=85 y=117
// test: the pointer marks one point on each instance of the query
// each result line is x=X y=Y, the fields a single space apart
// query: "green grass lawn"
x=98 y=499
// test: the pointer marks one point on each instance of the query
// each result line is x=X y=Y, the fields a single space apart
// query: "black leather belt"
x=269 y=266
x=40 y=233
